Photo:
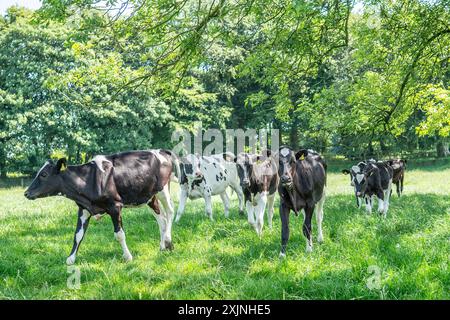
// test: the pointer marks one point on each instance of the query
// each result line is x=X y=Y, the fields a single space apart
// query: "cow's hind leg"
x=240 y=196
x=83 y=221
x=226 y=203
x=165 y=218
x=307 y=228
x=119 y=233
x=319 y=217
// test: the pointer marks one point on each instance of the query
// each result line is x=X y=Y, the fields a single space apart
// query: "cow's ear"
x=300 y=155
x=346 y=171
x=61 y=165
x=405 y=161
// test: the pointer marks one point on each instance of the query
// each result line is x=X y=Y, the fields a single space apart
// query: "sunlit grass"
x=225 y=259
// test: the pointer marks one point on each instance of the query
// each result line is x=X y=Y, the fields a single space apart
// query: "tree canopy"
x=354 y=78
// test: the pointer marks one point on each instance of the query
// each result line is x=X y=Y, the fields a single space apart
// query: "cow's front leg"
x=83 y=221
x=358 y=201
x=182 y=203
x=250 y=215
x=386 y=199
x=119 y=234
x=208 y=206
x=226 y=203
x=368 y=200
x=270 y=203
x=260 y=208
x=380 y=195
x=307 y=228
x=284 y=215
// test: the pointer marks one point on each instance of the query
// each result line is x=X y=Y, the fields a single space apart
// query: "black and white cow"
x=106 y=185
x=399 y=168
x=206 y=176
x=369 y=179
x=303 y=177
x=259 y=180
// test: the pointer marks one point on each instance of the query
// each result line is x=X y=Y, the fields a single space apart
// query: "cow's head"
x=244 y=164
x=191 y=166
x=359 y=177
x=47 y=181
x=287 y=164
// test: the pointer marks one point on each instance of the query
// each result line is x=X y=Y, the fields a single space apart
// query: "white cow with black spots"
x=206 y=176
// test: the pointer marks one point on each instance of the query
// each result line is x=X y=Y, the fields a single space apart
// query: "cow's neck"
x=72 y=188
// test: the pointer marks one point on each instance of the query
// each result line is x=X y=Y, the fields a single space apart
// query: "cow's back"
x=139 y=175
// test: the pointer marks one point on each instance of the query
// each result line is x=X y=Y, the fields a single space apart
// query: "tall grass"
x=225 y=259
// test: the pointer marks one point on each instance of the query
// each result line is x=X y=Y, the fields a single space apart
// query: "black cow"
x=303 y=178
x=108 y=183
x=399 y=168
x=372 y=178
x=259 y=180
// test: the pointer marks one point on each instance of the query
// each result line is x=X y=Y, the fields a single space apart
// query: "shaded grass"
x=225 y=259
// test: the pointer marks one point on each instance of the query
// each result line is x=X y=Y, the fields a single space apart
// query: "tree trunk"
x=442 y=148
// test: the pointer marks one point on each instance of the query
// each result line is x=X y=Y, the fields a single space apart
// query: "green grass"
x=225 y=259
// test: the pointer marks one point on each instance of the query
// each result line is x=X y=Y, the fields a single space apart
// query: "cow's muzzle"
x=29 y=195
x=245 y=183
x=286 y=182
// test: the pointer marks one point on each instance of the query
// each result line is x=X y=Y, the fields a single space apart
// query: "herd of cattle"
x=108 y=183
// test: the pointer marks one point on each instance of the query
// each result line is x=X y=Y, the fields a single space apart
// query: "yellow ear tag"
x=302 y=157
x=63 y=168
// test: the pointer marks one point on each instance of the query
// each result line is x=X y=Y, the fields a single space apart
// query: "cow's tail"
x=175 y=166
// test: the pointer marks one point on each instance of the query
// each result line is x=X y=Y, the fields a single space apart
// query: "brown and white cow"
x=303 y=178
x=259 y=180
x=399 y=168
x=106 y=185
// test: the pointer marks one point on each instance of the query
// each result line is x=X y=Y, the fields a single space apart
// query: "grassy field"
x=362 y=257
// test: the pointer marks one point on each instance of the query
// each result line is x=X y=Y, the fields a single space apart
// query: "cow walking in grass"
x=372 y=179
x=106 y=185
x=303 y=178
x=206 y=176
x=259 y=180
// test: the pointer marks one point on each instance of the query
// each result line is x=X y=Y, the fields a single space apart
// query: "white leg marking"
x=181 y=205
x=78 y=237
x=259 y=212
x=120 y=236
x=226 y=203
x=319 y=217
x=208 y=206
x=270 y=203
x=166 y=218
x=250 y=215
x=368 y=200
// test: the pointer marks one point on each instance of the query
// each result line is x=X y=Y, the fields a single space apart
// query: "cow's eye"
x=44 y=174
